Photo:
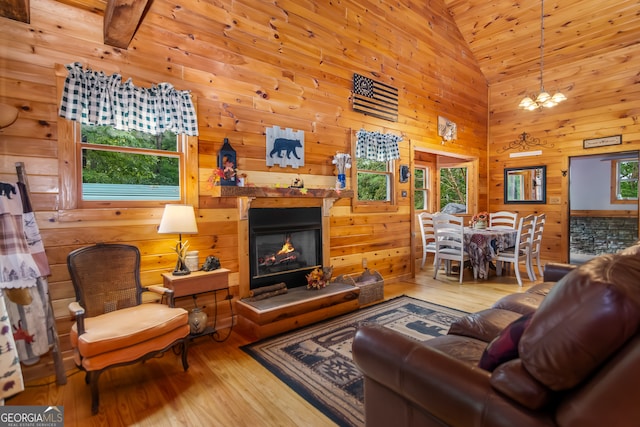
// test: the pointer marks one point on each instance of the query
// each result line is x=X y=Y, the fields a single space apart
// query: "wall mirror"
x=525 y=185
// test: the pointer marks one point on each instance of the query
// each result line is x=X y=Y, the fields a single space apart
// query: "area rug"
x=316 y=361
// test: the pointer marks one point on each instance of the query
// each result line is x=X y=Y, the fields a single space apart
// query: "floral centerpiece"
x=316 y=279
x=480 y=220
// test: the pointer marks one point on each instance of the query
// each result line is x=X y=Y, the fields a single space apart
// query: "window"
x=421 y=188
x=102 y=167
x=453 y=189
x=129 y=165
x=374 y=180
x=624 y=181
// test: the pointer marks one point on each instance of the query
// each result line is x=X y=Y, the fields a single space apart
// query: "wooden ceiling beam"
x=18 y=10
x=122 y=19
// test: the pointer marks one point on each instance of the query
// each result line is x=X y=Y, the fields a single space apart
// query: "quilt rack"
x=61 y=377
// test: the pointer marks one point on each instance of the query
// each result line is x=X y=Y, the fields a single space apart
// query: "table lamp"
x=179 y=219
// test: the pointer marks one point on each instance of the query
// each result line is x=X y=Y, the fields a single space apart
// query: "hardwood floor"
x=224 y=386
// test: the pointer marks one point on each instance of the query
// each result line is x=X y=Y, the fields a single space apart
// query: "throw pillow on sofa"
x=504 y=347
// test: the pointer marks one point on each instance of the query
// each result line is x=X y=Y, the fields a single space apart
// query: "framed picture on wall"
x=602 y=142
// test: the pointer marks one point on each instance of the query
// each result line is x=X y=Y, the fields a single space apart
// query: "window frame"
x=615 y=182
x=426 y=186
x=375 y=205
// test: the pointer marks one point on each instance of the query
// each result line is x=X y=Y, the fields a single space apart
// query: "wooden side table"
x=201 y=282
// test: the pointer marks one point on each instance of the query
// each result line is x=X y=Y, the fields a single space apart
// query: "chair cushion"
x=135 y=352
x=126 y=327
x=504 y=347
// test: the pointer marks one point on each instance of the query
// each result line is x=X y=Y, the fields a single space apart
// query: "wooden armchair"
x=113 y=328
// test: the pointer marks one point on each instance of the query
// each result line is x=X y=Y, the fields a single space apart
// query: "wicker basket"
x=371 y=285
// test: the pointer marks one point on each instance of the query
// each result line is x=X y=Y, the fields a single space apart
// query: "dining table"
x=482 y=244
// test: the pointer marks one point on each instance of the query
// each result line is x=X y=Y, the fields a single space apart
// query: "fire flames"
x=287 y=247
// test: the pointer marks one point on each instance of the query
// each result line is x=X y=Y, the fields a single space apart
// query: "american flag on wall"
x=374 y=98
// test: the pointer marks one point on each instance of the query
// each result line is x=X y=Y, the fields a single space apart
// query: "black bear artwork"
x=7 y=189
x=284 y=144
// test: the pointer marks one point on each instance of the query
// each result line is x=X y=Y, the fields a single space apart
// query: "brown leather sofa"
x=576 y=361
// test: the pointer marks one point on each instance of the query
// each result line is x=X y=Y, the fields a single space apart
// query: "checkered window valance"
x=377 y=146
x=93 y=98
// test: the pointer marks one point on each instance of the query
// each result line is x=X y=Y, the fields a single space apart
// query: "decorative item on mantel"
x=227 y=164
x=297 y=183
x=342 y=162
x=480 y=220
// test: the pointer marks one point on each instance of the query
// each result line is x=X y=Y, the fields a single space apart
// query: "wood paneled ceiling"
x=504 y=35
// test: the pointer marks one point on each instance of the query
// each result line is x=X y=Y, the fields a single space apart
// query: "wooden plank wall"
x=251 y=65
x=603 y=100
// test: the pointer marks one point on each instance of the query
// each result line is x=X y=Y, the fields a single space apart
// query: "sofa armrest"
x=448 y=389
x=554 y=271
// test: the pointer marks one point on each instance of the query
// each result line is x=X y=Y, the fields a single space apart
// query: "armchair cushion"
x=135 y=352
x=127 y=327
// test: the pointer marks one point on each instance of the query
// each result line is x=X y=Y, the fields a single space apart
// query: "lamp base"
x=181 y=268
x=181 y=272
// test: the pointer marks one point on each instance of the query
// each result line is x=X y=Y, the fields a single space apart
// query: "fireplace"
x=285 y=244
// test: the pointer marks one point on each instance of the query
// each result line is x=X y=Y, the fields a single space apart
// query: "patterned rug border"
x=254 y=349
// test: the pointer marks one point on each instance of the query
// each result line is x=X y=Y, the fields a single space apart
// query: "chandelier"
x=543 y=99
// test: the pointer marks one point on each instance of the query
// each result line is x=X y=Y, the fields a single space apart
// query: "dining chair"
x=425 y=220
x=503 y=219
x=113 y=327
x=449 y=232
x=536 y=244
x=521 y=250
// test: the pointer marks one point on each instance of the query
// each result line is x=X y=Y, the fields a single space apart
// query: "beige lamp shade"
x=8 y=115
x=178 y=219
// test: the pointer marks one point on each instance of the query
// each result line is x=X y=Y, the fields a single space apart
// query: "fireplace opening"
x=285 y=244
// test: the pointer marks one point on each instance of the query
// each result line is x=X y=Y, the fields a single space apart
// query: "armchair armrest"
x=162 y=291
x=77 y=312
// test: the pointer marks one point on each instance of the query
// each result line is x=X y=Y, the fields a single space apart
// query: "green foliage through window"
x=123 y=165
x=373 y=180
x=627 y=185
x=420 y=179
x=453 y=186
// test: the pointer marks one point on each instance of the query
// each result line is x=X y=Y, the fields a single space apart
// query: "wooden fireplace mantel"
x=246 y=195
x=324 y=193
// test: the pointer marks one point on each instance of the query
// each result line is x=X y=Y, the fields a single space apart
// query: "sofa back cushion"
x=586 y=317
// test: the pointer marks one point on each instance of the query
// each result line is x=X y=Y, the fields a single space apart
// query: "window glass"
x=453 y=190
x=626 y=179
x=421 y=187
x=374 y=180
x=129 y=165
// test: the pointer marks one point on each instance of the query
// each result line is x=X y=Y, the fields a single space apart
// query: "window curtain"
x=377 y=146
x=93 y=98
